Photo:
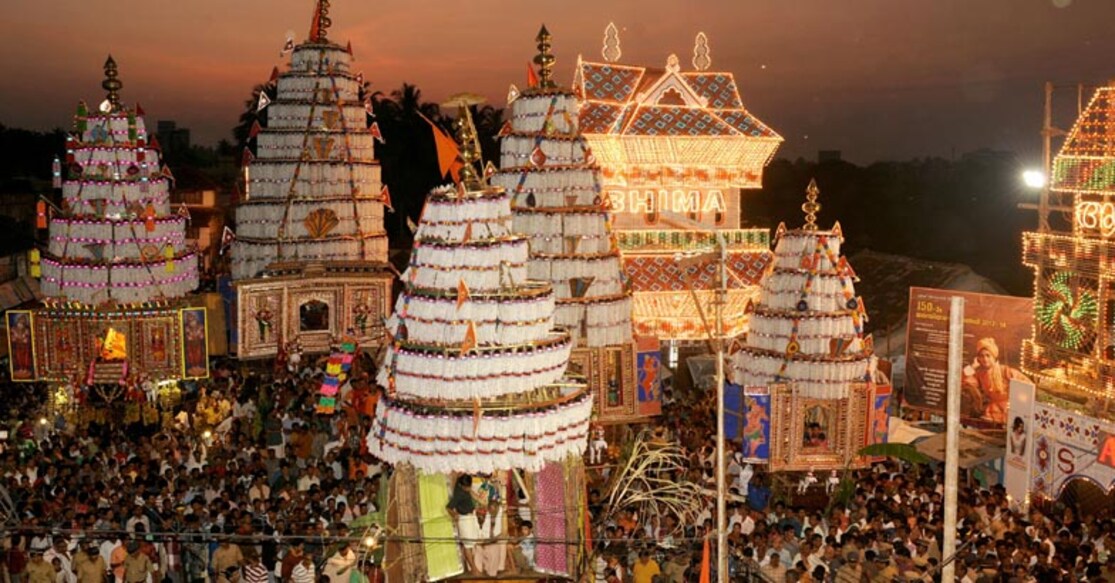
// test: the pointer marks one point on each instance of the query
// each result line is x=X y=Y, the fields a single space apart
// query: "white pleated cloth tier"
x=479 y=442
x=125 y=283
x=477 y=374
x=556 y=190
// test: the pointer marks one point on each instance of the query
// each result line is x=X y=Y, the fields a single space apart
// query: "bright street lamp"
x=1033 y=178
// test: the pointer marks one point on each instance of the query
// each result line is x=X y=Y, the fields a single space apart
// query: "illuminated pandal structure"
x=806 y=369
x=116 y=270
x=675 y=148
x=475 y=384
x=557 y=201
x=309 y=261
x=1062 y=426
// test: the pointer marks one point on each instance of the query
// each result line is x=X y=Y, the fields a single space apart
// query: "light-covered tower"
x=310 y=251
x=557 y=198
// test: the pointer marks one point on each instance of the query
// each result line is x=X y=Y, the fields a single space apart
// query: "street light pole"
x=721 y=489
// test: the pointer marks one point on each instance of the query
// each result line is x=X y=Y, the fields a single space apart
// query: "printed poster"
x=994 y=328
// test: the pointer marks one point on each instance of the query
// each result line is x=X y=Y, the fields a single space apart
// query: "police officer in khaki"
x=137 y=565
x=89 y=565
x=38 y=570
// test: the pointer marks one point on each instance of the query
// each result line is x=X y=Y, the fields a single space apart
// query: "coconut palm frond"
x=646 y=481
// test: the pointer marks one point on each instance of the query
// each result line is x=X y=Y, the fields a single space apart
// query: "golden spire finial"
x=544 y=60
x=112 y=85
x=467 y=138
x=319 y=28
x=811 y=207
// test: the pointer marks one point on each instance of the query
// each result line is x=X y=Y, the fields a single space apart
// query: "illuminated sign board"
x=665 y=200
x=1095 y=218
x=1106 y=453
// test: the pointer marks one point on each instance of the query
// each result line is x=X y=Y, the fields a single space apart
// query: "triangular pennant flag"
x=97 y=250
x=469 y=341
x=468 y=233
x=489 y=169
x=368 y=107
x=348 y=48
x=264 y=101
x=374 y=129
x=512 y=94
x=578 y=286
x=323 y=147
x=289 y=44
x=506 y=129
x=274 y=75
x=538 y=157
x=227 y=237
x=837 y=230
x=385 y=197
x=154 y=144
x=590 y=158
x=246 y=158
x=139 y=110
x=448 y=154
x=167 y=174
x=780 y=231
x=462 y=293
x=411 y=225
x=532 y=76
x=869 y=344
x=255 y=129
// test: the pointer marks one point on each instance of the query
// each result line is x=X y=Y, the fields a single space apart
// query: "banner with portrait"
x=1020 y=428
x=21 y=346
x=648 y=362
x=994 y=328
x=747 y=420
x=195 y=343
x=878 y=429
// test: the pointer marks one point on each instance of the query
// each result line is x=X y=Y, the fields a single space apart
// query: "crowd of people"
x=249 y=484
x=889 y=529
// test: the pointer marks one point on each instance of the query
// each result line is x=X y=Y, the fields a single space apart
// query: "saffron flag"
x=385 y=196
x=374 y=129
x=462 y=293
x=532 y=76
x=470 y=337
x=264 y=101
x=706 y=567
x=448 y=154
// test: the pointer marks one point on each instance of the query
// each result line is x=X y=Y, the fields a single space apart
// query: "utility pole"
x=721 y=487
x=952 y=434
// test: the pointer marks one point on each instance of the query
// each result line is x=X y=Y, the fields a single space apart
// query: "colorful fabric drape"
x=336 y=371
x=443 y=559
x=549 y=486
